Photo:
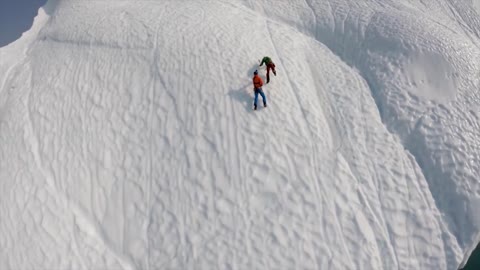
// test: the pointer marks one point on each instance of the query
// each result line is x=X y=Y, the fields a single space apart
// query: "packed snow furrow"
x=233 y=139
x=155 y=76
x=76 y=247
x=6 y=79
x=315 y=22
x=467 y=18
x=96 y=44
x=378 y=219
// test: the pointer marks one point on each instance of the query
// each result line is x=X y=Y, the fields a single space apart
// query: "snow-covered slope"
x=127 y=138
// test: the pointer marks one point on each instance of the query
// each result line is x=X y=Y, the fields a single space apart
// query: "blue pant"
x=259 y=91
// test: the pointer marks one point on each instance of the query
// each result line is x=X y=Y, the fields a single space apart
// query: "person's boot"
x=264 y=104
x=254 y=107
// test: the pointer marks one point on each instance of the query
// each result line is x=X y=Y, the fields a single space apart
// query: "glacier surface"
x=128 y=141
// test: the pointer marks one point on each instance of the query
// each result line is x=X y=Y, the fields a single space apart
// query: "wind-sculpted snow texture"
x=128 y=141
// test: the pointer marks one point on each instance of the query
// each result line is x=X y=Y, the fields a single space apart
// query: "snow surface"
x=128 y=141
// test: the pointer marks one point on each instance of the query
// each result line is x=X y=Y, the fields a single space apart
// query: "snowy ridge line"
x=380 y=105
x=404 y=141
x=373 y=92
x=371 y=87
x=374 y=96
x=319 y=193
x=335 y=155
x=22 y=45
x=380 y=221
x=5 y=80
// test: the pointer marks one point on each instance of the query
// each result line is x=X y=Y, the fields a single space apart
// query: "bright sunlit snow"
x=128 y=138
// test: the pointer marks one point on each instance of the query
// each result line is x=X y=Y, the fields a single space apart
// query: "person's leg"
x=255 y=100
x=273 y=69
x=268 y=73
x=264 y=98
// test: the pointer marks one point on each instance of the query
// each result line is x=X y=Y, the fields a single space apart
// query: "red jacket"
x=257 y=81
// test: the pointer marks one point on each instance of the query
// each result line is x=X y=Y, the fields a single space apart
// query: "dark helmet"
x=255 y=72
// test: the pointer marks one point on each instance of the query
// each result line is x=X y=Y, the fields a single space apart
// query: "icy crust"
x=129 y=140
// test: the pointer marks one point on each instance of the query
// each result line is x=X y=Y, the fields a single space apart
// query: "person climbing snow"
x=270 y=65
x=257 y=88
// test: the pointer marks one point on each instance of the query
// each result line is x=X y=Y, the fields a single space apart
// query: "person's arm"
x=263 y=61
